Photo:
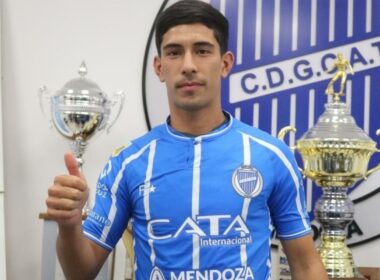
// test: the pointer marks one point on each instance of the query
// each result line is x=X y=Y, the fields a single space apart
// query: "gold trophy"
x=335 y=154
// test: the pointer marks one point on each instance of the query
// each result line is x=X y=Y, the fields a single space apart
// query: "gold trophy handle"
x=281 y=135
x=369 y=172
x=377 y=167
x=283 y=131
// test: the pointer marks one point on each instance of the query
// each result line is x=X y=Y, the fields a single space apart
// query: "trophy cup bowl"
x=78 y=117
x=332 y=162
x=335 y=154
x=80 y=110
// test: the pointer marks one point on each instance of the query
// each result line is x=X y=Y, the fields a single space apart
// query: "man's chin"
x=191 y=106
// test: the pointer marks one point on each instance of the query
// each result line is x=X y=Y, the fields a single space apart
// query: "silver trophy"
x=79 y=110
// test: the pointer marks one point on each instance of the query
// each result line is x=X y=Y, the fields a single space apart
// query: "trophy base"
x=337 y=258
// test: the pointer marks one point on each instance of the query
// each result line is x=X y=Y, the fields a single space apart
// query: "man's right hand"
x=80 y=257
x=68 y=195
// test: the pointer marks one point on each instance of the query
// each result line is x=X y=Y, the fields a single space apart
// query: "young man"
x=202 y=191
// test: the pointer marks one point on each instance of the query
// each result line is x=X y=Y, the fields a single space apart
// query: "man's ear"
x=158 y=68
x=228 y=62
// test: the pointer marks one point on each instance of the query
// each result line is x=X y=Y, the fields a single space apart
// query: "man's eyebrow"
x=204 y=44
x=197 y=44
x=171 y=45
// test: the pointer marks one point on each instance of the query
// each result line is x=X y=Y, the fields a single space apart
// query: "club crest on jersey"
x=247 y=181
x=156 y=274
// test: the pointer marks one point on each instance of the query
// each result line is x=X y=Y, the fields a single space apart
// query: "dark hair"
x=189 y=12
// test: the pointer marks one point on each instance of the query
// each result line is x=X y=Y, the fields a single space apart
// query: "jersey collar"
x=221 y=129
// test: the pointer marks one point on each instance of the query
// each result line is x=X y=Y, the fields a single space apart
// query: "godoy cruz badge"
x=335 y=154
x=79 y=110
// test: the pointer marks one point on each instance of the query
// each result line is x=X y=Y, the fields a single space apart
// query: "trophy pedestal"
x=335 y=211
x=336 y=257
x=50 y=267
x=369 y=273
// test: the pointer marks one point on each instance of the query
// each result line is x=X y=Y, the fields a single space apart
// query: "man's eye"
x=203 y=51
x=172 y=53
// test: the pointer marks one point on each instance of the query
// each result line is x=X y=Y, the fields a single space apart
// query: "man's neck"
x=197 y=123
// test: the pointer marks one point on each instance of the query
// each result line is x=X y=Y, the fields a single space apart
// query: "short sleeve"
x=287 y=200
x=108 y=219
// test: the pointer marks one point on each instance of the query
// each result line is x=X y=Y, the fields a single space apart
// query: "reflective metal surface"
x=335 y=151
x=335 y=154
x=80 y=109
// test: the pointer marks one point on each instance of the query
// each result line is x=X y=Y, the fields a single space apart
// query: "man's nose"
x=189 y=65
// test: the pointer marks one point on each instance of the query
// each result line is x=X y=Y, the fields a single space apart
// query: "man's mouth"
x=190 y=85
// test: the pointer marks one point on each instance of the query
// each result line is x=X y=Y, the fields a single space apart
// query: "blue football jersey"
x=201 y=207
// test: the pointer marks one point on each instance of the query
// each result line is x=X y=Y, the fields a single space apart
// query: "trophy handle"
x=43 y=95
x=377 y=167
x=369 y=172
x=281 y=135
x=120 y=97
x=285 y=130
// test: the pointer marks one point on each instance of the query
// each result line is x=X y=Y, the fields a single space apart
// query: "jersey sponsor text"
x=239 y=273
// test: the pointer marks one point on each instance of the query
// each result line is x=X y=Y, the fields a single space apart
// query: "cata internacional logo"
x=282 y=52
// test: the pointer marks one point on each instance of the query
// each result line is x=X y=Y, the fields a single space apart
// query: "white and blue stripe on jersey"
x=190 y=210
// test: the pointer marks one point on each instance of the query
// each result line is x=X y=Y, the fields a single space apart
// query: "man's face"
x=191 y=66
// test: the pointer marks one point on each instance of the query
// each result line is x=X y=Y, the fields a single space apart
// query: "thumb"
x=72 y=165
